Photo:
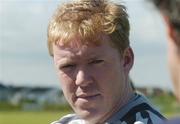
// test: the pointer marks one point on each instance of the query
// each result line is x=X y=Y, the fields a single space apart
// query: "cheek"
x=67 y=84
x=110 y=72
x=108 y=76
x=65 y=78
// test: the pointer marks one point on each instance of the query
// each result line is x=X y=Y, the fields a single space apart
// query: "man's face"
x=93 y=78
x=174 y=55
x=174 y=64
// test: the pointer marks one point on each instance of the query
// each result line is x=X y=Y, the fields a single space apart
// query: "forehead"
x=78 y=47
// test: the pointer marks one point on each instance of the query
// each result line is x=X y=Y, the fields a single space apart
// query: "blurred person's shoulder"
x=70 y=118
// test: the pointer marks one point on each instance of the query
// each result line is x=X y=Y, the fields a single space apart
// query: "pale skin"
x=173 y=57
x=174 y=64
x=94 y=78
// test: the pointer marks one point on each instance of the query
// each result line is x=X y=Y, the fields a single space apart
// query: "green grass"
x=20 y=117
x=167 y=104
x=43 y=117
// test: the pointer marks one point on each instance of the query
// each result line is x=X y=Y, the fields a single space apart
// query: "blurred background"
x=29 y=87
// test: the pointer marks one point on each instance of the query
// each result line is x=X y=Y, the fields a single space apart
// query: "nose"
x=83 y=78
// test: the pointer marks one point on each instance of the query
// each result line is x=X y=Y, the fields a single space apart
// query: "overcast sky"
x=24 y=58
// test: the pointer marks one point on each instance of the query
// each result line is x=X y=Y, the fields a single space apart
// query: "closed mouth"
x=87 y=96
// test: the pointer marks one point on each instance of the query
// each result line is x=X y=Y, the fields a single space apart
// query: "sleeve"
x=65 y=119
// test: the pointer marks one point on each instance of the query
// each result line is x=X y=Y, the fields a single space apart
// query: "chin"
x=90 y=116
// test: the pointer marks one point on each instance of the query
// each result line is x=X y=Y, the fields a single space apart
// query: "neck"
x=128 y=93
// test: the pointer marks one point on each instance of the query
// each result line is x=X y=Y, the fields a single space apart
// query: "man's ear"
x=170 y=28
x=128 y=59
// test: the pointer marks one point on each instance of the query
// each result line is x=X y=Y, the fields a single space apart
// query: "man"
x=170 y=10
x=89 y=42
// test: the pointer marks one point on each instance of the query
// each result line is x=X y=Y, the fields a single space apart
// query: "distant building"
x=38 y=98
x=3 y=93
x=151 y=91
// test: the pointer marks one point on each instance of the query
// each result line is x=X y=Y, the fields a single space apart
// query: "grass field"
x=43 y=117
x=19 y=117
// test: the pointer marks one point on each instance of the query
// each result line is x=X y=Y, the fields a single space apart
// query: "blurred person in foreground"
x=170 y=10
x=89 y=42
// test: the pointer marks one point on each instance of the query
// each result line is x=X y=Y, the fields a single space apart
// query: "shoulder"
x=142 y=111
x=67 y=119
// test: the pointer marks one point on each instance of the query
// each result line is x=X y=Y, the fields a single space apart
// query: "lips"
x=87 y=96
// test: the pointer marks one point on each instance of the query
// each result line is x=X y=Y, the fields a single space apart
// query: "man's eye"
x=96 y=61
x=68 y=66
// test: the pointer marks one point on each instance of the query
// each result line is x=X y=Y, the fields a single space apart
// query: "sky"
x=24 y=59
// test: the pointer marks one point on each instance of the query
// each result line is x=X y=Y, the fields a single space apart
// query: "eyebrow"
x=64 y=61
